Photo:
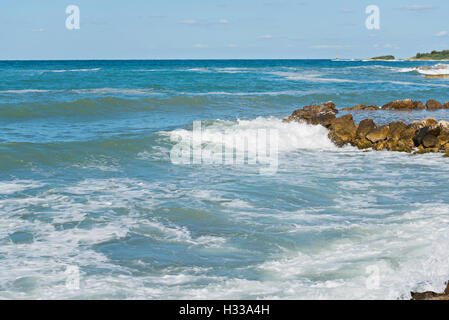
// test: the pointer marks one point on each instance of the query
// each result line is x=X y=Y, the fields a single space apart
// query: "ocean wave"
x=73 y=70
x=436 y=70
x=292 y=136
x=24 y=91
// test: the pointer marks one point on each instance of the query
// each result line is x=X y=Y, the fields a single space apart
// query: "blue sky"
x=220 y=29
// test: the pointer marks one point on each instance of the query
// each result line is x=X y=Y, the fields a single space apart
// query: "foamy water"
x=87 y=184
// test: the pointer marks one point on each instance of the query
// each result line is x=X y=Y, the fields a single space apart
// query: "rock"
x=402 y=145
x=380 y=145
x=420 y=134
x=328 y=107
x=446 y=105
x=342 y=130
x=363 y=107
x=443 y=137
x=426 y=150
x=405 y=104
x=313 y=114
x=430 y=295
x=431 y=141
x=363 y=143
x=396 y=129
x=430 y=122
x=433 y=105
x=378 y=134
x=365 y=126
x=443 y=124
x=323 y=119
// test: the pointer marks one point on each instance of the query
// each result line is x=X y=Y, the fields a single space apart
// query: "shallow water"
x=86 y=182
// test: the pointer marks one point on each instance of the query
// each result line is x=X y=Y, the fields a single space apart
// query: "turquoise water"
x=86 y=182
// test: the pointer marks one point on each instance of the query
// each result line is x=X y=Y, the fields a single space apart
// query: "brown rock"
x=406 y=104
x=426 y=150
x=365 y=126
x=433 y=105
x=430 y=295
x=380 y=145
x=446 y=105
x=421 y=133
x=430 y=122
x=342 y=130
x=431 y=141
x=401 y=145
x=378 y=134
x=396 y=129
x=363 y=143
x=328 y=107
x=314 y=114
x=363 y=107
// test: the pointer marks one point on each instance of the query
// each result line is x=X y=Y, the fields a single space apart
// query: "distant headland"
x=434 y=55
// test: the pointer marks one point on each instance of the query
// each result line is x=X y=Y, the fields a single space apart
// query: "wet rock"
x=426 y=150
x=405 y=104
x=378 y=134
x=433 y=105
x=342 y=130
x=314 y=114
x=396 y=129
x=402 y=145
x=363 y=143
x=363 y=107
x=446 y=105
x=430 y=295
x=380 y=145
x=365 y=126
x=421 y=133
x=431 y=141
x=443 y=137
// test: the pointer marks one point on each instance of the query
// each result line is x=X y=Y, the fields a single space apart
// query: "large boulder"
x=343 y=130
x=433 y=105
x=365 y=126
x=314 y=114
x=396 y=129
x=404 y=144
x=405 y=104
x=378 y=134
x=431 y=141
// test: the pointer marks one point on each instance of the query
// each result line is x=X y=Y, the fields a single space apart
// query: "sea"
x=92 y=205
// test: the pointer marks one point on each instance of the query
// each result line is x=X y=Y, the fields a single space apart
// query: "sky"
x=220 y=29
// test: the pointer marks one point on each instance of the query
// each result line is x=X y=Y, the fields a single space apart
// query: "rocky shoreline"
x=418 y=137
x=430 y=295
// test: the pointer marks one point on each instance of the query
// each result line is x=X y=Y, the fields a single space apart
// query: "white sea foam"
x=436 y=70
x=126 y=91
x=25 y=91
x=9 y=187
x=292 y=136
x=74 y=70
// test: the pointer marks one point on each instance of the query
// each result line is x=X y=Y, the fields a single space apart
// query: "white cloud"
x=223 y=21
x=38 y=30
x=441 y=34
x=232 y=45
x=266 y=36
x=199 y=45
x=347 y=10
